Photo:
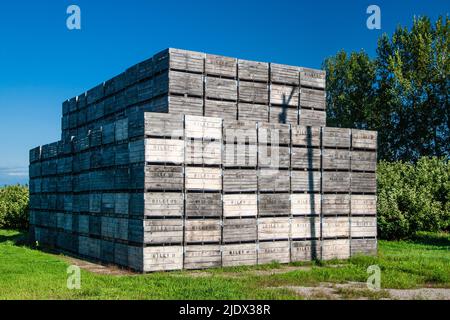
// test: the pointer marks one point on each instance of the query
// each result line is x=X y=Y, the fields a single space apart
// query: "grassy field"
x=26 y=273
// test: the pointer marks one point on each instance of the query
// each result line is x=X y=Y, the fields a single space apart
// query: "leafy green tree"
x=14 y=207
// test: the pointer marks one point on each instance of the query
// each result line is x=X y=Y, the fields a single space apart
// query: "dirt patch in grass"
x=98 y=268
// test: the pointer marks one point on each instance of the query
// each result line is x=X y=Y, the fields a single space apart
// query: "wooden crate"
x=221 y=109
x=35 y=154
x=335 y=181
x=312 y=99
x=220 y=66
x=168 y=204
x=203 y=205
x=240 y=154
x=222 y=89
x=315 y=118
x=253 y=71
x=312 y=78
x=305 y=136
x=239 y=255
x=163 y=231
x=164 y=177
x=274 y=133
x=122 y=155
x=306 y=250
x=363 y=204
x=305 y=204
x=333 y=227
x=284 y=95
x=239 y=230
x=163 y=125
x=200 y=231
x=333 y=204
x=202 y=256
x=273 y=228
x=240 y=205
x=283 y=115
x=305 y=181
x=164 y=150
x=364 y=161
x=136 y=151
x=364 y=246
x=240 y=180
x=163 y=258
x=336 y=159
x=280 y=73
x=277 y=204
x=253 y=92
x=203 y=127
x=198 y=178
x=182 y=83
x=273 y=180
x=336 y=137
x=364 y=182
x=112 y=227
x=185 y=105
x=240 y=131
x=305 y=227
x=273 y=156
x=121 y=254
x=278 y=251
x=305 y=158
x=363 y=227
x=364 y=139
x=203 y=152
x=186 y=60
x=253 y=112
x=335 y=249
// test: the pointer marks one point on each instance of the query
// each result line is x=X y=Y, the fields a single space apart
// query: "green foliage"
x=413 y=198
x=14 y=207
x=403 y=93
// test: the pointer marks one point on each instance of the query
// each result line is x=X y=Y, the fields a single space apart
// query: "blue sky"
x=42 y=62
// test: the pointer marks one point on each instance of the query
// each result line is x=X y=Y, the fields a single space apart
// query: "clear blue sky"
x=42 y=63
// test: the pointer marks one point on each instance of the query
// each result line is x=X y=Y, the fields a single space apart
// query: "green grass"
x=26 y=273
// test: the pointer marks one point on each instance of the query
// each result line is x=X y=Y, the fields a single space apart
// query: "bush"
x=14 y=207
x=413 y=198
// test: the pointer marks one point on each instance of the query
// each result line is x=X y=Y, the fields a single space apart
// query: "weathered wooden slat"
x=333 y=204
x=306 y=181
x=273 y=228
x=203 y=178
x=305 y=158
x=186 y=60
x=163 y=231
x=278 y=251
x=363 y=246
x=253 y=71
x=186 y=105
x=336 y=181
x=274 y=204
x=305 y=204
x=240 y=155
x=335 y=227
x=273 y=156
x=273 y=180
x=164 y=177
x=253 y=112
x=312 y=98
x=203 y=152
x=202 y=256
x=253 y=92
x=274 y=133
x=164 y=150
x=239 y=230
x=223 y=89
x=239 y=180
x=336 y=137
x=239 y=131
x=305 y=250
x=364 y=182
x=305 y=227
x=315 y=118
x=364 y=204
x=335 y=249
x=221 y=109
x=163 y=125
x=364 y=139
x=312 y=78
x=283 y=115
x=163 y=258
x=239 y=254
x=336 y=159
x=208 y=230
x=363 y=227
x=240 y=205
x=364 y=160
x=220 y=65
x=281 y=73
x=284 y=95
x=203 y=127
x=163 y=204
x=184 y=83
x=203 y=204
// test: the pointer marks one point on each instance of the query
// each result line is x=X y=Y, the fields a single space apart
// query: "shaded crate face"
x=363 y=139
x=363 y=227
x=336 y=137
x=202 y=256
x=240 y=205
x=200 y=231
x=220 y=66
x=203 y=152
x=163 y=231
x=253 y=71
x=312 y=98
x=281 y=73
x=240 y=155
x=186 y=60
x=163 y=125
x=284 y=95
x=312 y=118
x=273 y=180
x=363 y=246
x=256 y=112
x=274 y=204
x=283 y=115
x=163 y=177
x=364 y=161
x=163 y=258
x=239 y=230
x=364 y=182
x=186 y=105
x=164 y=150
x=305 y=250
x=305 y=227
x=273 y=228
x=222 y=89
x=364 y=204
x=312 y=78
x=305 y=204
x=114 y=228
x=253 y=92
x=221 y=109
x=333 y=204
x=203 y=204
x=305 y=158
x=273 y=156
x=166 y=204
x=240 y=180
x=335 y=249
x=203 y=178
x=336 y=159
x=333 y=227
x=203 y=127
x=239 y=255
x=278 y=251
x=308 y=181
x=185 y=83
x=336 y=181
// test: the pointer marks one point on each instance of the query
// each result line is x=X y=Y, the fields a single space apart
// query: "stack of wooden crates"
x=189 y=160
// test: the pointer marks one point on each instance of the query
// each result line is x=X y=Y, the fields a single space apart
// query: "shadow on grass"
x=20 y=238
x=432 y=239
